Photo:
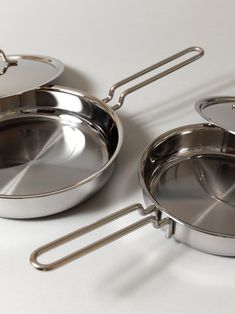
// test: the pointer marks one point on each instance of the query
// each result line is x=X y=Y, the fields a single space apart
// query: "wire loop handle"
x=7 y=62
x=153 y=216
x=199 y=53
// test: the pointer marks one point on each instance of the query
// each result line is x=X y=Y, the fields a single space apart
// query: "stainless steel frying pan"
x=58 y=145
x=187 y=177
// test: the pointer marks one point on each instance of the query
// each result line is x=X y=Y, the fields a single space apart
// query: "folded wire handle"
x=7 y=62
x=153 y=216
x=199 y=53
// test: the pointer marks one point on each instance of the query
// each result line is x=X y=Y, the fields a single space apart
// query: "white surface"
x=101 y=42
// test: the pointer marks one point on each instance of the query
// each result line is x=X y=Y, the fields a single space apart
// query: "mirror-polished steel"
x=23 y=73
x=188 y=173
x=219 y=111
x=187 y=176
x=7 y=62
x=57 y=147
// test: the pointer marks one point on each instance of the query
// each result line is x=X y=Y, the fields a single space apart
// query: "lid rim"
x=218 y=119
x=28 y=73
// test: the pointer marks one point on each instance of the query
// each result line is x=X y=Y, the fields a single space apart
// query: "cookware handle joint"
x=167 y=224
x=7 y=62
x=198 y=53
x=151 y=213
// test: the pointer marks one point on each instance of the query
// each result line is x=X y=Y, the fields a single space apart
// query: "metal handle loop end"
x=151 y=213
x=199 y=53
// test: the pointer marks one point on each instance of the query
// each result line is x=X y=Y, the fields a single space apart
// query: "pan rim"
x=103 y=106
x=146 y=191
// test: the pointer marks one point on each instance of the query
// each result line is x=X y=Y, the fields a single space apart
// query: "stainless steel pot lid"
x=21 y=73
x=219 y=111
x=58 y=145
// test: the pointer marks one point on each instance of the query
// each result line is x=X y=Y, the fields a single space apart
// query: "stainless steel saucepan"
x=187 y=177
x=58 y=145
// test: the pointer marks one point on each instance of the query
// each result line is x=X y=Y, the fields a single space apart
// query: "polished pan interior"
x=188 y=173
x=187 y=176
x=53 y=140
x=58 y=145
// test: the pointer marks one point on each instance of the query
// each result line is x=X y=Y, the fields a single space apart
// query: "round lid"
x=219 y=111
x=21 y=73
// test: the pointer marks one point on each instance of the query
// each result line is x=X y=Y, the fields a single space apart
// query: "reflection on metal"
x=170 y=172
x=22 y=73
x=57 y=145
x=54 y=153
x=62 y=155
x=189 y=172
x=218 y=111
x=7 y=62
x=215 y=173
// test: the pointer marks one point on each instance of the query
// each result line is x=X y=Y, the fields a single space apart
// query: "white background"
x=101 y=42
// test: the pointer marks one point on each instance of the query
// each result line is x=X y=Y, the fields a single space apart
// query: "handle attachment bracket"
x=7 y=62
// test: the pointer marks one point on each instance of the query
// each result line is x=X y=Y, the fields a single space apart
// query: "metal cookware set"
x=59 y=145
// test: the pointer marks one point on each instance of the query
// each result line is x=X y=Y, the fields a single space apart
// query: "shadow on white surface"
x=145 y=265
x=74 y=79
x=156 y=259
x=181 y=105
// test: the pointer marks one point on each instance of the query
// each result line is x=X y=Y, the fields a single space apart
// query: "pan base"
x=41 y=154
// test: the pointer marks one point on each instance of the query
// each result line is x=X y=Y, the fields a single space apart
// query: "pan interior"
x=42 y=155
x=194 y=183
x=48 y=149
